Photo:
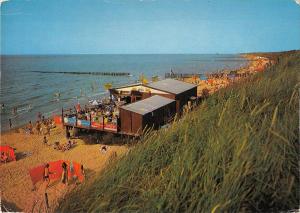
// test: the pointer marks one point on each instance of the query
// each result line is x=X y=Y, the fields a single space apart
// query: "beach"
x=16 y=186
x=222 y=79
x=15 y=181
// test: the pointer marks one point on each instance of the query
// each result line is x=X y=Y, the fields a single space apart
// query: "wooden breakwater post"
x=86 y=73
x=181 y=75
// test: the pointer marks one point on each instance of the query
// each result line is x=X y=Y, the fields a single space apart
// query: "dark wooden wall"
x=184 y=97
x=134 y=123
x=130 y=122
x=159 y=117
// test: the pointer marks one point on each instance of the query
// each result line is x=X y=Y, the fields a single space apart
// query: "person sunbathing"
x=45 y=140
x=4 y=157
x=30 y=127
x=103 y=149
x=57 y=146
x=67 y=146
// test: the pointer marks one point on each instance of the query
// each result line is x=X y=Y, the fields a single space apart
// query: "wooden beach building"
x=154 y=112
x=179 y=91
x=138 y=106
x=135 y=92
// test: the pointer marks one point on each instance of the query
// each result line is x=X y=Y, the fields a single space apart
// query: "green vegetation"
x=238 y=151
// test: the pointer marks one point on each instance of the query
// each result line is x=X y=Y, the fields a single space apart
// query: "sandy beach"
x=15 y=181
x=214 y=83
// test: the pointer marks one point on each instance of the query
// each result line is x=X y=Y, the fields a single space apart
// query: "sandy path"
x=15 y=183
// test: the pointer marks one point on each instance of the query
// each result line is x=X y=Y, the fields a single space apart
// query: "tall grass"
x=238 y=151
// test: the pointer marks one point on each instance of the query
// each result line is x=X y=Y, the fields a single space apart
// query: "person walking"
x=10 y=124
x=64 y=175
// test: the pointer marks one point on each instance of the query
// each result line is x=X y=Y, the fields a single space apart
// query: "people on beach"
x=14 y=111
x=4 y=157
x=70 y=144
x=48 y=129
x=10 y=123
x=39 y=115
x=64 y=175
x=68 y=135
x=30 y=127
x=45 y=141
x=103 y=149
x=72 y=171
x=29 y=108
x=57 y=96
x=38 y=127
x=57 y=145
x=47 y=173
x=82 y=170
x=78 y=108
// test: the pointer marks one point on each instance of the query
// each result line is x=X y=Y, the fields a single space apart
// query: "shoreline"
x=31 y=152
x=215 y=81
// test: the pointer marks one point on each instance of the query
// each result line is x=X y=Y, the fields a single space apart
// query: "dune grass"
x=238 y=151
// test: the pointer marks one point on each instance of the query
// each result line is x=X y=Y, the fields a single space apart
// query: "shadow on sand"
x=9 y=207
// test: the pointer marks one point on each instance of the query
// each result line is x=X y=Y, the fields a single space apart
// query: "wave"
x=98 y=94
x=35 y=97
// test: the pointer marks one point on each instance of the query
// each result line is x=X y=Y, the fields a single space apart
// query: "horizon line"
x=217 y=53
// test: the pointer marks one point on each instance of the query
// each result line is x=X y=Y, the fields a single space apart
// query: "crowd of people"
x=41 y=127
x=212 y=82
x=64 y=147
x=64 y=178
x=102 y=112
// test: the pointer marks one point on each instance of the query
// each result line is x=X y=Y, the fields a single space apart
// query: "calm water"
x=36 y=92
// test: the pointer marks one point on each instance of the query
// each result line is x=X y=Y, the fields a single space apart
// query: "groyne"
x=85 y=73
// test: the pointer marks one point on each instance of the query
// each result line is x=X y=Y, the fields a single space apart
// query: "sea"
x=31 y=84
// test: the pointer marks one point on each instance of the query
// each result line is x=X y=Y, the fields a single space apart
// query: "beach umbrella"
x=155 y=78
x=95 y=103
x=203 y=77
x=143 y=79
x=107 y=86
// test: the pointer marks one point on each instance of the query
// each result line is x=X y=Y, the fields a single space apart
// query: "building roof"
x=148 y=105
x=128 y=85
x=172 y=86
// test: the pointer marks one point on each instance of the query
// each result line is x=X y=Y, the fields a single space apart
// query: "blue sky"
x=148 y=26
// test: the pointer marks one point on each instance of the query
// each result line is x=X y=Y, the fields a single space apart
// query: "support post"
x=46 y=200
x=62 y=116
x=90 y=120
x=103 y=123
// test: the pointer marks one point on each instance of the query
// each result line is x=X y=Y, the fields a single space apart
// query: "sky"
x=148 y=26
